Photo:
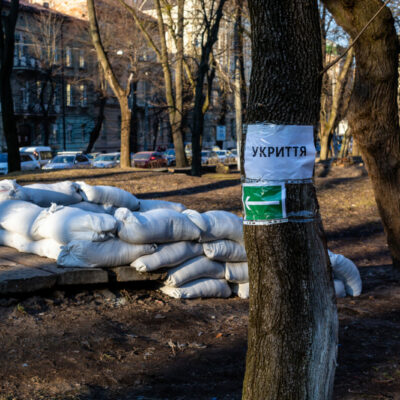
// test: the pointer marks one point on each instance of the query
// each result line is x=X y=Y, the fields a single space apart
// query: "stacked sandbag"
x=110 y=253
x=61 y=193
x=148 y=205
x=167 y=256
x=108 y=195
x=155 y=226
x=199 y=288
x=65 y=224
x=45 y=248
x=10 y=190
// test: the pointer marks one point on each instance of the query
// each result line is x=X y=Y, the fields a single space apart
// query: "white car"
x=66 y=160
x=42 y=154
x=108 y=160
x=28 y=163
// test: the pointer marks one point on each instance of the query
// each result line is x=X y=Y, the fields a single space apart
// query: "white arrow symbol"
x=260 y=203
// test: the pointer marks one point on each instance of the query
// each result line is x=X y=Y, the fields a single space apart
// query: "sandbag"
x=241 y=289
x=168 y=255
x=62 y=193
x=346 y=271
x=96 y=208
x=147 y=205
x=237 y=272
x=111 y=253
x=217 y=224
x=18 y=216
x=64 y=224
x=14 y=240
x=339 y=288
x=156 y=226
x=108 y=195
x=199 y=288
x=225 y=250
x=10 y=190
x=196 y=268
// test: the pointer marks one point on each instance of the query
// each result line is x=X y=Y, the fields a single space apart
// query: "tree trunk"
x=7 y=41
x=373 y=111
x=239 y=81
x=292 y=334
x=327 y=127
x=125 y=132
x=95 y=132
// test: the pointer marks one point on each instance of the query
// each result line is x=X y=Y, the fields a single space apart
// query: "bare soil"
x=132 y=342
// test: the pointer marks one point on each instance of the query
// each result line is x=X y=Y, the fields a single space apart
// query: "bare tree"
x=44 y=38
x=210 y=18
x=373 y=112
x=8 y=21
x=292 y=333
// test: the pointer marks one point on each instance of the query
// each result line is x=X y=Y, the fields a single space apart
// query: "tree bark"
x=7 y=41
x=95 y=132
x=328 y=126
x=292 y=334
x=373 y=110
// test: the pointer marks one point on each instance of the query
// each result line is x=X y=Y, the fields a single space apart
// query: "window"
x=83 y=93
x=38 y=89
x=68 y=57
x=70 y=98
x=82 y=62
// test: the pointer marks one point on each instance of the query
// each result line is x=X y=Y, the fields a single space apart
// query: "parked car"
x=66 y=160
x=108 y=160
x=170 y=156
x=92 y=156
x=205 y=156
x=28 y=163
x=149 y=159
x=221 y=156
x=42 y=154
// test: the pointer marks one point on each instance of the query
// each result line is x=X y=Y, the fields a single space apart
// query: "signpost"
x=264 y=203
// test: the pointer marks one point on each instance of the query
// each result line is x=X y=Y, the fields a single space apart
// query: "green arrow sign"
x=264 y=204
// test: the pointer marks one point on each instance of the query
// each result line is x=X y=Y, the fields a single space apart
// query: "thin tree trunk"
x=120 y=93
x=199 y=99
x=95 y=132
x=292 y=333
x=7 y=41
x=125 y=132
x=373 y=111
x=238 y=77
x=327 y=127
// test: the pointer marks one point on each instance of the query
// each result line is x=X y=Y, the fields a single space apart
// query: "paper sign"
x=264 y=204
x=279 y=152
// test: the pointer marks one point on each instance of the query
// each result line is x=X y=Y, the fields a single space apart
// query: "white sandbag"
x=346 y=271
x=339 y=288
x=168 y=255
x=241 y=289
x=62 y=193
x=217 y=224
x=64 y=224
x=108 y=195
x=147 y=205
x=196 y=268
x=155 y=226
x=199 y=288
x=18 y=216
x=10 y=190
x=237 y=272
x=225 y=250
x=111 y=253
x=96 y=208
x=14 y=240
x=45 y=248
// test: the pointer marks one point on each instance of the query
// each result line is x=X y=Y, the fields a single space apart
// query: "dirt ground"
x=127 y=342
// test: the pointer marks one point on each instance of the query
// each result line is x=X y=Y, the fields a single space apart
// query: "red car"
x=149 y=159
